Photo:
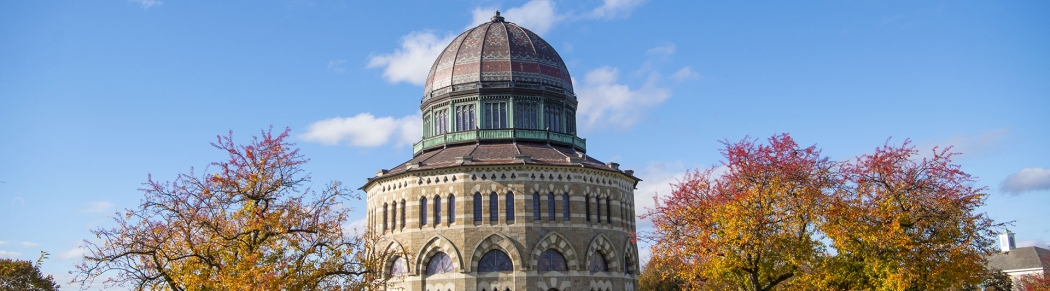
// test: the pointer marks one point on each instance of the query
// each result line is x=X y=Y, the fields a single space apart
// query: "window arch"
x=437 y=210
x=423 y=212
x=551 y=260
x=451 y=209
x=596 y=263
x=495 y=261
x=439 y=263
x=398 y=268
x=565 y=206
x=385 y=226
x=510 y=206
x=536 y=205
x=494 y=207
x=393 y=215
x=477 y=206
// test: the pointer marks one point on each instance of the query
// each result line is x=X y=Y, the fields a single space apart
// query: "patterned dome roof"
x=498 y=54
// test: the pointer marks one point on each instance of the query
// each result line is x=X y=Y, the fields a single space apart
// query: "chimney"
x=1006 y=241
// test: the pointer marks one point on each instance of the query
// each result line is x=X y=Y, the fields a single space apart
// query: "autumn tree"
x=24 y=275
x=906 y=222
x=660 y=274
x=1034 y=282
x=251 y=224
x=752 y=226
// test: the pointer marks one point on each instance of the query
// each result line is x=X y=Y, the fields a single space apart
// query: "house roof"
x=1021 y=258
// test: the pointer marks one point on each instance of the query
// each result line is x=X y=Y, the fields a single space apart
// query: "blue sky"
x=95 y=95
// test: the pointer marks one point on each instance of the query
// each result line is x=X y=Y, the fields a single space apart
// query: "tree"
x=660 y=274
x=902 y=222
x=1034 y=282
x=24 y=275
x=752 y=227
x=253 y=224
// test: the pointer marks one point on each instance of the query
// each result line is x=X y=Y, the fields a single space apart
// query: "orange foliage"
x=250 y=225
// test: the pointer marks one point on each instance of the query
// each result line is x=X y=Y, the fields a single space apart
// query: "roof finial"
x=497 y=18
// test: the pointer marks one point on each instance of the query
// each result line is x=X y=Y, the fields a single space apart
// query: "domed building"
x=500 y=194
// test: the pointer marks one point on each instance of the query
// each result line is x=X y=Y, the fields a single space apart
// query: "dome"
x=498 y=54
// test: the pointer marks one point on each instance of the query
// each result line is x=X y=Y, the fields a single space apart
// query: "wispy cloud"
x=605 y=102
x=100 y=207
x=2 y=243
x=147 y=3
x=685 y=74
x=74 y=253
x=9 y=255
x=27 y=244
x=968 y=144
x=536 y=15
x=338 y=66
x=615 y=9
x=365 y=130
x=1030 y=179
x=665 y=50
x=411 y=63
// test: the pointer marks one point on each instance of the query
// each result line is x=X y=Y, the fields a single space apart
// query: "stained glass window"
x=551 y=260
x=493 y=207
x=535 y=206
x=550 y=206
x=565 y=206
x=510 y=206
x=596 y=263
x=439 y=263
x=598 y=208
x=423 y=211
x=495 y=261
x=398 y=268
x=477 y=206
x=403 y=210
x=451 y=209
x=437 y=210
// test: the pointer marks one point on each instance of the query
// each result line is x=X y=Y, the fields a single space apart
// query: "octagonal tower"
x=500 y=193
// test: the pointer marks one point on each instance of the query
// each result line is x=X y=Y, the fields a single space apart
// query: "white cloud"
x=1030 y=179
x=663 y=51
x=411 y=63
x=684 y=74
x=536 y=15
x=74 y=253
x=337 y=66
x=968 y=144
x=615 y=9
x=100 y=207
x=1033 y=242
x=356 y=227
x=2 y=243
x=9 y=255
x=604 y=102
x=147 y=3
x=365 y=130
x=27 y=244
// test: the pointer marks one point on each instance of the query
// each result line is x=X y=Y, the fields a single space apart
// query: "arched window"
x=495 y=261
x=451 y=209
x=393 y=215
x=598 y=208
x=608 y=211
x=587 y=204
x=536 y=205
x=551 y=260
x=423 y=212
x=596 y=263
x=385 y=227
x=494 y=207
x=510 y=206
x=626 y=265
x=565 y=206
x=398 y=268
x=439 y=263
x=550 y=206
x=477 y=206
x=437 y=210
x=403 y=210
